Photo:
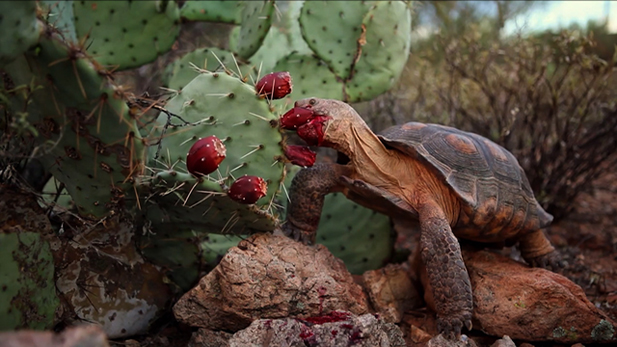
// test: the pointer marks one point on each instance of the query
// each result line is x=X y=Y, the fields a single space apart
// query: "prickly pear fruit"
x=313 y=131
x=274 y=85
x=205 y=156
x=295 y=117
x=248 y=189
x=300 y=155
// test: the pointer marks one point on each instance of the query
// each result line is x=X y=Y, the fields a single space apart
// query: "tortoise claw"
x=297 y=234
x=450 y=327
x=551 y=261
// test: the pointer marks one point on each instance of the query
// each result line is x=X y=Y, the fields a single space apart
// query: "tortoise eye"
x=312 y=102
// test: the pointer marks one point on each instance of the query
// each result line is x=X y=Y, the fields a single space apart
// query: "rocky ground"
x=260 y=280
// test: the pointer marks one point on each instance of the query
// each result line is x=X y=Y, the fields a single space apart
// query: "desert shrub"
x=546 y=99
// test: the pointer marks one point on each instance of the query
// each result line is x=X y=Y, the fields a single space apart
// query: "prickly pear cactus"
x=28 y=298
x=224 y=11
x=19 y=27
x=87 y=139
x=256 y=20
x=361 y=237
x=313 y=77
x=125 y=34
x=224 y=106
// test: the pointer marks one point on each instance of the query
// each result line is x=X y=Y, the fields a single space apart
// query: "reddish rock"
x=505 y=341
x=440 y=341
x=531 y=304
x=391 y=292
x=362 y=331
x=269 y=276
x=78 y=336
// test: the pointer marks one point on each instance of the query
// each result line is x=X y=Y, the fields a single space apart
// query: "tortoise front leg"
x=537 y=251
x=447 y=274
x=308 y=190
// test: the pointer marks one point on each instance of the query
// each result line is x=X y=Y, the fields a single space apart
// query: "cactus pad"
x=362 y=238
x=19 y=27
x=383 y=57
x=91 y=143
x=311 y=76
x=222 y=11
x=332 y=30
x=221 y=105
x=59 y=14
x=126 y=34
x=256 y=21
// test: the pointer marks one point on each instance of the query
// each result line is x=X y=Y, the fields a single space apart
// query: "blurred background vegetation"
x=548 y=95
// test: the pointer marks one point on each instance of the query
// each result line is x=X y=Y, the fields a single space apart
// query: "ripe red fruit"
x=295 y=117
x=274 y=85
x=205 y=156
x=313 y=131
x=248 y=189
x=300 y=155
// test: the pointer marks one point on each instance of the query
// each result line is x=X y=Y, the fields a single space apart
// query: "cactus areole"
x=274 y=85
x=205 y=156
x=248 y=189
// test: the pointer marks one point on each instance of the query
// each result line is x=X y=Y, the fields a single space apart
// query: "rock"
x=209 y=338
x=340 y=329
x=531 y=304
x=103 y=279
x=391 y=292
x=505 y=341
x=270 y=276
x=440 y=341
x=78 y=336
x=417 y=335
x=525 y=344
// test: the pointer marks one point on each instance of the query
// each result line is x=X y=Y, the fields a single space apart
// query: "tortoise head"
x=326 y=123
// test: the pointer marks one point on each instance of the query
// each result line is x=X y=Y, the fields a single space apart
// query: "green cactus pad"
x=224 y=106
x=60 y=16
x=222 y=11
x=388 y=38
x=311 y=77
x=332 y=30
x=362 y=238
x=19 y=27
x=90 y=142
x=27 y=291
x=180 y=72
x=186 y=255
x=256 y=21
x=126 y=34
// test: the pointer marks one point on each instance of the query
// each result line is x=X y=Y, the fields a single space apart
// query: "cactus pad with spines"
x=388 y=38
x=19 y=27
x=59 y=14
x=27 y=292
x=222 y=11
x=126 y=34
x=93 y=145
x=221 y=105
x=256 y=21
x=332 y=30
x=311 y=76
x=362 y=238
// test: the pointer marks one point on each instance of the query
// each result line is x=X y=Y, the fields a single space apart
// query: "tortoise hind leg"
x=307 y=192
x=447 y=274
x=537 y=251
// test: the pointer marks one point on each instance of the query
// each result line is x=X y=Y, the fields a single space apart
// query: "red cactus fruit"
x=300 y=155
x=295 y=117
x=274 y=85
x=205 y=156
x=248 y=189
x=313 y=131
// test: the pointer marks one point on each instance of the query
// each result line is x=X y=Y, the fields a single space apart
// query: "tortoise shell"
x=491 y=185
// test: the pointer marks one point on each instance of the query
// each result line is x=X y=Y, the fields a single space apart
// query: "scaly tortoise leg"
x=537 y=251
x=447 y=274
x=307 y=192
